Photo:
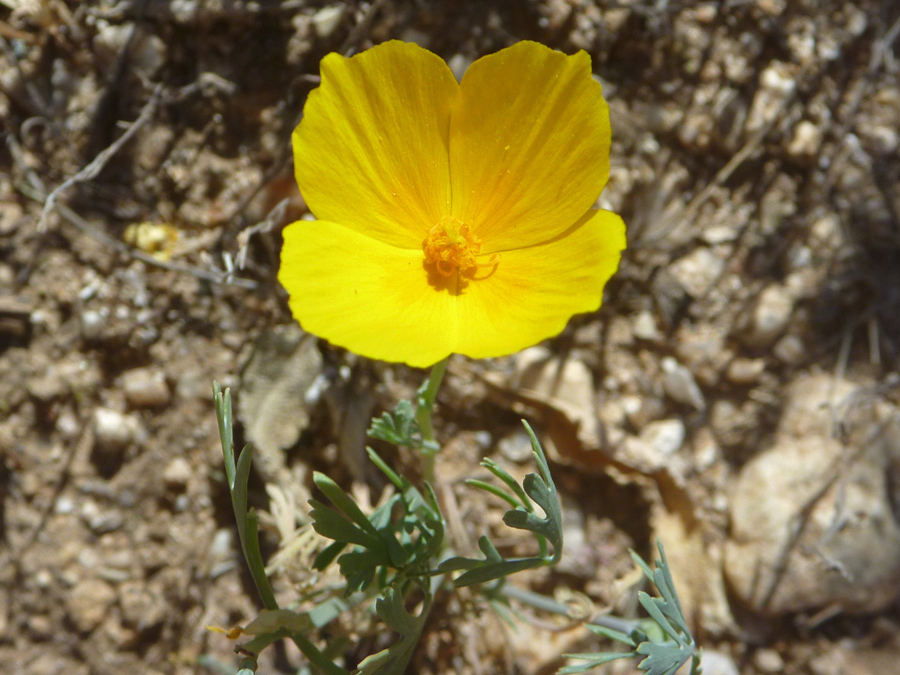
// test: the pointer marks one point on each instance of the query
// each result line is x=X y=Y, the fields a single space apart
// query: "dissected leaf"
x=616 y=635
x=398 y=427
x=535 y=489
x=664 y=658
x=664 y=640
x=393 y=660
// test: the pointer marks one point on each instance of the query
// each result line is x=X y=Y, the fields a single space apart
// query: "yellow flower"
x=452 y=218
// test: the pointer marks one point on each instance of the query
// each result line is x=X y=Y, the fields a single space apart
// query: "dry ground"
x=736 y=395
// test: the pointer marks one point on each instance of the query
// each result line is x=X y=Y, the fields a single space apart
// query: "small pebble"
x=105 y=522
x=127 y=498
x=182 y=504
x=113 y=430
x=327 y=19
x=665 y=436
x=222 y=545
x=771 y=316
x=789 y=350
x=645 y=327
x=883 y=140
x=141 y=607
x=745 y=371
x=768 y=661
x=806 y=140
x=416 y=36
x=40 y=627
x=43 y=578
x=698 y=271
x=516 y=447
x=64 y=505
x=146 y=388
x=680 y=385
x=68 y=425
x=772 y=7
x=47 y=388
x=89 y=603
x=717 y=663
x=149 y=54
x=177 y=473
x=459 y=64
x=92 y=323
x=641 y=411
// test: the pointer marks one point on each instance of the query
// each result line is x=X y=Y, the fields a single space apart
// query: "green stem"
x=546 y=604
x=424 y=407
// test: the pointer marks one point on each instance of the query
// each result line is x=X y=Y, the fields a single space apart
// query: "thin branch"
x=34 y=189
x=269 y=223
x=213 y=276
x=96 y=166
x=361 y=29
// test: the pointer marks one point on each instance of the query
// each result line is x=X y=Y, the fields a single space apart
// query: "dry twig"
x=96 y=166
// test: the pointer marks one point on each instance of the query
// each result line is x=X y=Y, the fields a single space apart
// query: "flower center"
x=452 y=246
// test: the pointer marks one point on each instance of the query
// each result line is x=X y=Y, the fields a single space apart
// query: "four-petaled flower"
x=452 y=217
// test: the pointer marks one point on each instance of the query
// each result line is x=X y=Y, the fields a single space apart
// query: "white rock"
x=146 y=387
x=680 y=385
x=806 y=140
x=790 y=350
x=43 y=579
x=516 y=447
x=706 y=450
x=883 y=140
x=717 y=663
x=141 y=606
x=826 y=233
x=772 y=8
x=772 y=313
x=698 y=271
x=193 y=384
x=745 y=371
x=459 y=64
x=88 y=604
x=110 y=39
x=183 y=11
x=777 y=78
x=416 y=36
x=149 y=54
x=768 y=661
x=327 y=19
x=776 y=84
x=92 y=323
x=113 y=430
x=645 y=326
x=812 y=522
x=177 y=473
x=702 y=349
x=222 y=545
x=64 y=505
x=664 y=436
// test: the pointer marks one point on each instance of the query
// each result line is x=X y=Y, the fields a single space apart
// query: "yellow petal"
x=371 y=150
x=529 y=145
x=367 y=296
x=534 y=291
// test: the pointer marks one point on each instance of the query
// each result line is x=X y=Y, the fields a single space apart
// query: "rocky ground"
x=736 y=395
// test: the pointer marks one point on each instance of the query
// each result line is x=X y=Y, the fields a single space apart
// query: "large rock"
x=812 y=519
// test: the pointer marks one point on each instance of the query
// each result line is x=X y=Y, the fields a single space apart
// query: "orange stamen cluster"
x=452 y=246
